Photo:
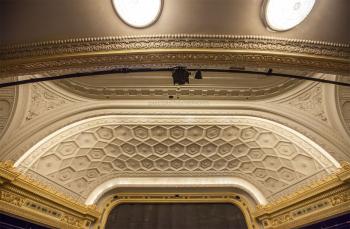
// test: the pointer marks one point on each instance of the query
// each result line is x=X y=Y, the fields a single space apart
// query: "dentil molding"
x=174 y=49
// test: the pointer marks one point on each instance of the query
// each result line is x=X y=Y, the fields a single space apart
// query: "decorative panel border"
x=26 y=198
x=321 y=200
x=87 y=54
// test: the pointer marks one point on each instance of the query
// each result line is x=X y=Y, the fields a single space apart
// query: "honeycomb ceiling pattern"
x=82 y=161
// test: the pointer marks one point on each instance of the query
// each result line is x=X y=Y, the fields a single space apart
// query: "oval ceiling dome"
x=281 y=15
x=138 y=13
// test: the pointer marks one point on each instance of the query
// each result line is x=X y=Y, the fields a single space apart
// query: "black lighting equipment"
x=198 y=75
x=181 y=76
x=269 y=72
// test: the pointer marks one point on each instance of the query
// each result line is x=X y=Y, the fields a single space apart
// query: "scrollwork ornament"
x=131 y=51
x=42 y=101
x=11 y=198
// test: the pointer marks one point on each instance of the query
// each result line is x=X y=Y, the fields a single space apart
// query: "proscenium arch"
x=114 y=200
x=316 y=152
x=235 y=182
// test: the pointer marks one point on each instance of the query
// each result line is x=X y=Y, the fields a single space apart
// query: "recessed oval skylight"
x=138 y=13
x=283 y=15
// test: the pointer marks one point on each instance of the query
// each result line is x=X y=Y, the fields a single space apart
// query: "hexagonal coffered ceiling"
x=86 y=154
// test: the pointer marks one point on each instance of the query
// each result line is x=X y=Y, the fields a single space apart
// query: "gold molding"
x=323 y=199
x=86 y=54
x=24 y=197
x=119 y=198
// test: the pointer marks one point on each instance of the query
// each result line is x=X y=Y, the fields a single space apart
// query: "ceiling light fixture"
x=181 y=76
x=282 y=15
x=198 y=75
x=138 y=13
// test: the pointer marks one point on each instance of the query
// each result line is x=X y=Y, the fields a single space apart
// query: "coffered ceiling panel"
x=82 y=156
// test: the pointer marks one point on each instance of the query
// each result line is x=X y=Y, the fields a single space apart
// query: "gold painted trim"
x=26 y=198
x=168 y=50
x=169 y=36
x=120 y=198
x=171 y=51
x=321 y=200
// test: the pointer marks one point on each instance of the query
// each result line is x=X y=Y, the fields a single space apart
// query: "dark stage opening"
x=176 y=216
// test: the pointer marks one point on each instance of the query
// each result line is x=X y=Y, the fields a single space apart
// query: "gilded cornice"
x=324 y=198
x=174 y=49
x=30 y=198
x=9 y=173
x=25 y=197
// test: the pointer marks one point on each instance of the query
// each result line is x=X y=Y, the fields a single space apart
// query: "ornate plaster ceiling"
x=7 y=105
x=220 y=51
x=160 y=86
x=81 y=156
x=225 y=34
x=343 y=104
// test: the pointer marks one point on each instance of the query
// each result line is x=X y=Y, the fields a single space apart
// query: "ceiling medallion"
x=284 y=15
x=138 y=13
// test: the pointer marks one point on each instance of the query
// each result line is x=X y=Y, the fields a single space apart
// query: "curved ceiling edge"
x=169 y=50
x=109 y=185
x=271 y=156
x=186 y=120
x=76 y=41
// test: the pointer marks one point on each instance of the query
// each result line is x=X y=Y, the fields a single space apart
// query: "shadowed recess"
x=177 y=216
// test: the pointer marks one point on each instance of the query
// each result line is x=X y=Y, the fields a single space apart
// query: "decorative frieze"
x=325 y=198
x=11 y=198
x=79 y=55
x=42 y=101
x=322 y=199
x=311 y=102
x=27 y=198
